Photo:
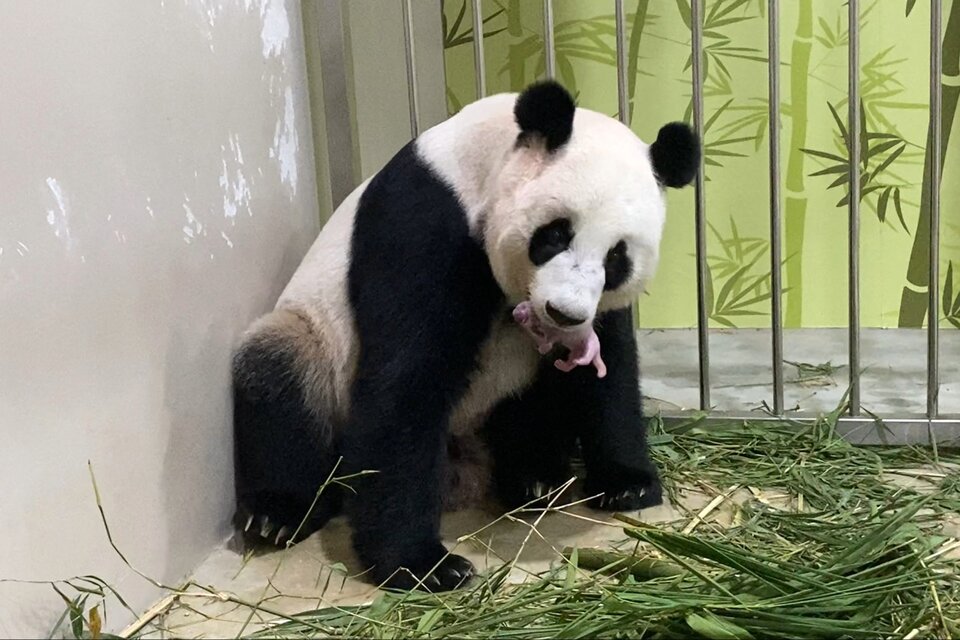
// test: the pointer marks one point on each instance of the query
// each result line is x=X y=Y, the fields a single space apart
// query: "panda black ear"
x=675 y=155
x=545 y=110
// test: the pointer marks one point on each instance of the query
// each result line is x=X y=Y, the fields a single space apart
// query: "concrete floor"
x=893 y=364
x=316 y=572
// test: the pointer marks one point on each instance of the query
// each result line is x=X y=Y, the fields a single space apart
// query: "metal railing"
x=853 y=424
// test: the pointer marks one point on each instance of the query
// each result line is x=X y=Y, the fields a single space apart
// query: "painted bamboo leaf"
x=739 y=272
x=582 y=40
x=947 y=301
x=454 y=104
x=452 y=37
x=718 y=52
x=878 y=153
x=950 y=303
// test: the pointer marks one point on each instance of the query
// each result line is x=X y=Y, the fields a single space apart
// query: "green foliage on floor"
x=849 y=553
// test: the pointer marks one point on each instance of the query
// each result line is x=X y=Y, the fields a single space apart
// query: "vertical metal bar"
x=334 y=47
x=700 y=211
x=410 y=56
x=853 y=247
x=933 y=313
x=479 y=63
x=621 y=27
x=549 y=47
x=623 y=108
x=776 y=283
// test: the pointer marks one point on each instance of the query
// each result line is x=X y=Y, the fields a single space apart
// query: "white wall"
x=157 y=189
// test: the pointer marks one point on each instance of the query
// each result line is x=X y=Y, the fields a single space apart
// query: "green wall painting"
x=895 y=185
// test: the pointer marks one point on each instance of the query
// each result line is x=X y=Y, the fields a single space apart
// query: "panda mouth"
x=583 y=345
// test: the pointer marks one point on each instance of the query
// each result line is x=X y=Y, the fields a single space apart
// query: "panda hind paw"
x=259 y=531
x=629 y=499
x=449 y=573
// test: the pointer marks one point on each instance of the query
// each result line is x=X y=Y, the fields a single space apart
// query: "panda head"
x=575 y=215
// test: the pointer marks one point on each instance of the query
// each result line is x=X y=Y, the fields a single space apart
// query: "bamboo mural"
x=796 y=197
x=516 y=60
x=895 y=186
x=913 y=300
x=633 y=51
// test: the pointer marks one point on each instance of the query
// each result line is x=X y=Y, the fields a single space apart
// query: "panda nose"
x=561 y=318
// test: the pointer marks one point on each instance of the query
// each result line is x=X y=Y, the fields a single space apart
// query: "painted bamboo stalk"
x=516 y=61
x=633 y=55
x=796 y=196
x=913 y=299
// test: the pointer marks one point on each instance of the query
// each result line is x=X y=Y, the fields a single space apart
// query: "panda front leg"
x=397 y=438
x=610 y=422
x=530 y=436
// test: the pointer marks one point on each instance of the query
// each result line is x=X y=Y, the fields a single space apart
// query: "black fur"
x=532 y=436
x=549 y=241
x=423 y=297
x=545 y=110
x=675 y=155
x=616 y=266
x=281 y=459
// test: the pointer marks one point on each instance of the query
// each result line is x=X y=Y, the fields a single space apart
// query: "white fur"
x=468 y=150
x=602 y=179
x=318 y=292
x=507 y=364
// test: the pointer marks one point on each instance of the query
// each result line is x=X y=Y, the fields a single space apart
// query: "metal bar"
x=410 y=56
x=479 y=63
x=776 y=283
x=933 y=314
x=549 y=48
x=700 y=211
x=623 y=108
x=334 y=51
x=853 y=245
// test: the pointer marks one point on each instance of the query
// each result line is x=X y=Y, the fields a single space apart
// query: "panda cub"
x=406 y=343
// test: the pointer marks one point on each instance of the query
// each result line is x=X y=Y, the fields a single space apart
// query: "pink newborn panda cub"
x=583 y=345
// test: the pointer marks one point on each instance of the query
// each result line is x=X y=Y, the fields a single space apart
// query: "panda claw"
x=265 y=527
x=281 y=535
x=246 y=527
x=539 y=489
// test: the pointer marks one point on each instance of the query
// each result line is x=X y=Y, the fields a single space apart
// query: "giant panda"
x=397 y=348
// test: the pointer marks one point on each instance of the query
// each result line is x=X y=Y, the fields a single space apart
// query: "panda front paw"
x=632 y=499
x=527 y=492
x=445 y=573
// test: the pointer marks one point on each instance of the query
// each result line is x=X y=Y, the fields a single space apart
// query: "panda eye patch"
x=550 y=240
x=616 y=266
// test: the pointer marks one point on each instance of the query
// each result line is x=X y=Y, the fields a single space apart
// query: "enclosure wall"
x=157 y=192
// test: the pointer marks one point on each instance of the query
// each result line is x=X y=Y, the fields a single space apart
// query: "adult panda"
x=402 y=345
